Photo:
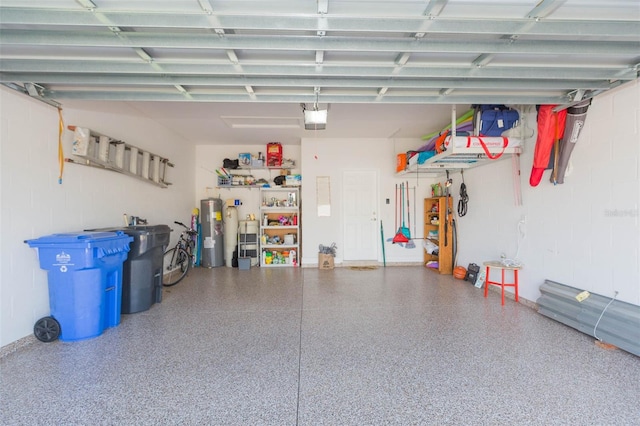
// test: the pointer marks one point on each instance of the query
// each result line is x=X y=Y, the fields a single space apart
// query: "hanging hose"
x=454 y=228
x=60 y=150
x=464 y=198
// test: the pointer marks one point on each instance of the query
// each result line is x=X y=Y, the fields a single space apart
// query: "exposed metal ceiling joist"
x=406 y=51
x=289 y=22
x=222 y=81
x=309 y=98
x=333 y=70
x=306 y=43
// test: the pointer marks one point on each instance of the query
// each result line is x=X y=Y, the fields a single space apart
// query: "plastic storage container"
x=142 y=271
x=85 y=281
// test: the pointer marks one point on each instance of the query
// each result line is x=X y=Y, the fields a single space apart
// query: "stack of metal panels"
x=619 y=325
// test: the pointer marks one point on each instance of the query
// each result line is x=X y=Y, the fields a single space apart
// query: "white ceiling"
x=383 y=68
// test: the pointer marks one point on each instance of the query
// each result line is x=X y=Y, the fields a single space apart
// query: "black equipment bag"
x=472 y=273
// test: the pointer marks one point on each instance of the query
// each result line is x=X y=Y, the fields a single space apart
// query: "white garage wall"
x=331 y=157
x=33 y=204
x=583 y=233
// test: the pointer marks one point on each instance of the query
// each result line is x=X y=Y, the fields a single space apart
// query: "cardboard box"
x=325 y=261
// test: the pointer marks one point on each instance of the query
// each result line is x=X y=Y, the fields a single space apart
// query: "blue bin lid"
x=78 y=238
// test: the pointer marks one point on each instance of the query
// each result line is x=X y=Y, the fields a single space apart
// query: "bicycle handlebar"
x=188 y=230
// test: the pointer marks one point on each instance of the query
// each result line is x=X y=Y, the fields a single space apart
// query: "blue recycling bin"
x=85 y=281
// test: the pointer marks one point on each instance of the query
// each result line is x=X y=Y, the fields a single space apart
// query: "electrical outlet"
x=523 y=219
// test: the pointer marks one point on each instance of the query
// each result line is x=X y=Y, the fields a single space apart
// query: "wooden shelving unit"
x=440 y=233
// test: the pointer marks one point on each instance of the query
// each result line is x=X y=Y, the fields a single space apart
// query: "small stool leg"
x=486 y=282
x=515 y=277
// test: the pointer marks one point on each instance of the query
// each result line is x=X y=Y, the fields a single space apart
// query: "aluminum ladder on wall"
x=97 y=150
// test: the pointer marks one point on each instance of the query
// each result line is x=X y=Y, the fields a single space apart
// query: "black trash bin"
x=142 y=271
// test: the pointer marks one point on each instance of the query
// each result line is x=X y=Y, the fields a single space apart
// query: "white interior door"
x=360 y=212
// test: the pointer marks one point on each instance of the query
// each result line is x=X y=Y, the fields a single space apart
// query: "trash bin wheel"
x=47 y=329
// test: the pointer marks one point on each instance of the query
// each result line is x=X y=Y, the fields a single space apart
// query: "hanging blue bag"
x=492 y=120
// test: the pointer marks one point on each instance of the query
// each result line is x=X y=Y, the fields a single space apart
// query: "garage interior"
x=379 y=339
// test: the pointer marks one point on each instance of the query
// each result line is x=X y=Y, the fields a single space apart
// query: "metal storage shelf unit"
x=280 y=227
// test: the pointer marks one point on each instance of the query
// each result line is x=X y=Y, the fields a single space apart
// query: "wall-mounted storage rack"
x=463 y=152
x=94 y=149
x=238 y=180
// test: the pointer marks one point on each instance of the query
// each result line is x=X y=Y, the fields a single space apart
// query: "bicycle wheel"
x=174 y=266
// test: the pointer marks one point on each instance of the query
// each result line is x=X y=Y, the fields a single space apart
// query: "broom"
x=402 y=235
x=410 y=243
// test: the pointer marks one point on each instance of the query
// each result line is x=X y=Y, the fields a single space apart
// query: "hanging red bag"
x=550 y=129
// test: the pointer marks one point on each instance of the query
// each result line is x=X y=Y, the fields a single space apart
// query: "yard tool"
x=384 y=256
x=396 y=212
x=395 y=219
x=403 y=234
x=410 y=243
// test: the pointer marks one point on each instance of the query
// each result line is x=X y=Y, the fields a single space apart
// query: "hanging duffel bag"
x=492 y=120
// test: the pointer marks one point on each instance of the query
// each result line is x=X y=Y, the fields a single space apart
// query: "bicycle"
x=177 y=260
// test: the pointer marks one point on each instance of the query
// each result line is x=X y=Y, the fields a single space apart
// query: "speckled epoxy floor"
x=396 y=345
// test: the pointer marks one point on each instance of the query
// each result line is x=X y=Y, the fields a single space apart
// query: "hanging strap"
x=464 y=197
x=505 y=142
